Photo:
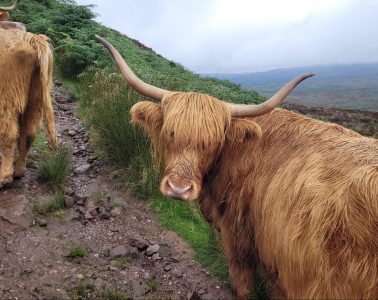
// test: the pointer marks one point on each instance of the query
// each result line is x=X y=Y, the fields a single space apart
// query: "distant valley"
x=353 y=86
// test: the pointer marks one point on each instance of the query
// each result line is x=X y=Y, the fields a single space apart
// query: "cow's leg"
x=29 y=125
x=241 y=263
x=8 y=141
x=241 y=277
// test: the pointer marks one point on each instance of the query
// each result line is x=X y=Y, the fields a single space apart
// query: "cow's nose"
x=178 y=190
x=174 y=190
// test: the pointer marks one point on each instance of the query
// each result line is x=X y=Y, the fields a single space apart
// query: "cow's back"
x=316 y=207
x=18 y=60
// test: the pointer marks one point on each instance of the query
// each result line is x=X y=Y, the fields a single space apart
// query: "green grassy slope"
x=85 y=67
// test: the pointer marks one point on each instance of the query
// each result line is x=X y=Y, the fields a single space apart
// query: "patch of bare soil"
x=126 y=252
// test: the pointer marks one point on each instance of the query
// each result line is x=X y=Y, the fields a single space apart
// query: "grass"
x=52 y=166
x=115 y=203
x=122 y=261
x=114 y=295
x=153 y=284
x=87 y=291
x=96 y=196
x=52 y=169
x=77 y=251
x=61 y=236
x=60 y=213
x=82 y=291
x=56 y=202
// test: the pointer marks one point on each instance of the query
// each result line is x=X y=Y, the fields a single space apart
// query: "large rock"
x=16 y=209
x=152 y=249
x=82 y=169
x=118 y=251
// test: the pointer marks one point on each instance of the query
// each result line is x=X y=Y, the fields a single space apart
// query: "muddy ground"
x=127 y=254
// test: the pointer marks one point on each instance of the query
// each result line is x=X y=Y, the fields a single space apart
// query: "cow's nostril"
x=178 y=190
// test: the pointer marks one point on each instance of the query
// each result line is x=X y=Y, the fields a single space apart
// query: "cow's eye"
x=172 y=134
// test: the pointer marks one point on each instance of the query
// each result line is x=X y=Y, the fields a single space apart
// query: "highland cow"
x=298 y=195
x=26 y=63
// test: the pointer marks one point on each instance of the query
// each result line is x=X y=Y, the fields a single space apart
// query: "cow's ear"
x=243 y=131
x=148 y=115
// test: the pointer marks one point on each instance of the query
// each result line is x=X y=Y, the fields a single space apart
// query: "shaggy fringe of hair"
x=194 y=120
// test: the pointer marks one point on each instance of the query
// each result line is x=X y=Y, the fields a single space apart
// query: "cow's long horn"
x=136 y=83
x=10 y=7
x=252 y=110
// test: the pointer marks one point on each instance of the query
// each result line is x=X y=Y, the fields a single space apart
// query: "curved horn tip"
x=310 y=74
x=12 y=7
x=100 y=38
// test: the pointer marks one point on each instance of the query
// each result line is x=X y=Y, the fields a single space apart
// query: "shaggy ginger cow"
x=26 y=63
x=4 y=15
x=296 y=194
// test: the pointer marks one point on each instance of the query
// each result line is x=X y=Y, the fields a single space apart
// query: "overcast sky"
x=248 y=35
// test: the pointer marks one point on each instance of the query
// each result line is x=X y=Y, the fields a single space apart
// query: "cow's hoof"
x=5 y=181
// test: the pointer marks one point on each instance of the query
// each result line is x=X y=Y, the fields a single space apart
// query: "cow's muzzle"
x=179 y=189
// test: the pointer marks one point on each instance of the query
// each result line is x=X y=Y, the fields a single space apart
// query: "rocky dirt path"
x=126 y=253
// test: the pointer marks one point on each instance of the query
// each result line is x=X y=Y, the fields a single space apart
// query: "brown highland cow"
x=298 y=195
x=26 y=63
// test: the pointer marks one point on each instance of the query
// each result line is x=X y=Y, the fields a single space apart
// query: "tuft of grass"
x=77 y=251
x=61 y=236
x=153 y=284
x=53 y=167
x=96 y=196
x=40 y=143
x=58 y=213
x=56 y=203
x=114 y=295
x=82 y=292
x=115 y=203
x=122 y=261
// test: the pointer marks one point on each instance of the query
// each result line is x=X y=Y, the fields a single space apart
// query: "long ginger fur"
x=25 y=97
x=297 y=195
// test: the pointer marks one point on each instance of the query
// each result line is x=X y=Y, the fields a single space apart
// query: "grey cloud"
x=182 y=31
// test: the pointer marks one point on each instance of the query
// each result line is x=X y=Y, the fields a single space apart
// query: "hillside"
x=353 y=86
x=77 y=52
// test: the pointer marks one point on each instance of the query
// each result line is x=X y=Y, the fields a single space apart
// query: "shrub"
x=77 y=251
x=73 y=58
x=53 y=167
x=56 y=202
